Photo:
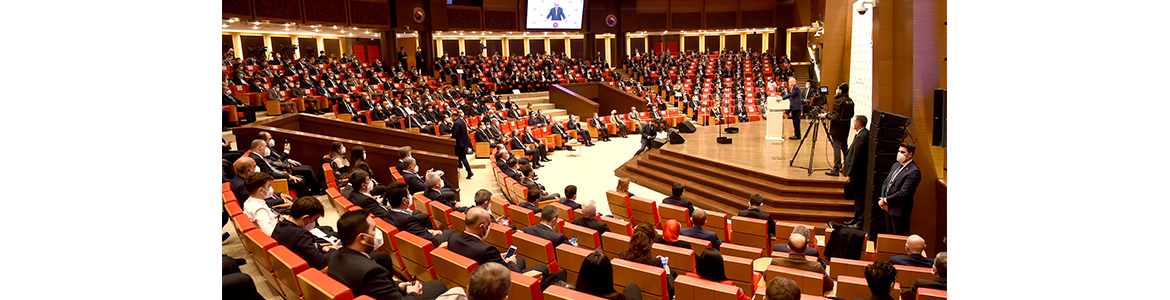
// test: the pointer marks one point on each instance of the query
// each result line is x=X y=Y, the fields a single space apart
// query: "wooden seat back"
x=652 y=280
x=524 y=288
x=809 y=282
x=521 y=217
x=644 y=210
x=850 y=287
x=690 y=288
x=717 y=222
x=931 y=294
x=453 y=269
x=535 y=250
x=738 y=270
x=747 y=252
x=586 y=237
x=318 y=286
x=889 y=245
x=751 y=232
x=416 y=255
x=440 y=214
x=907 y=274
x=390 y=246
x=849 y=267
x=674 y=212
x=619 y=206
x=556 y=292
x=570 y=258
x=458 y=221
x=618 y=225
x=614 y=244
x=286 y=265
x=682 y=260
x=697 y=245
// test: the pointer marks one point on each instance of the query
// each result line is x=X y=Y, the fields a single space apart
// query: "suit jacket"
x=459 y=132
x=472 y=247
x=367 y=203
x=414 y=182
x=680 y=202
x=591 y=223
x=556 y=14
x=530 y=206
x=232 y=100
x=760 y=214
x=266 y=167
x=795 y=98
x=900 y=194
x=596 y=122
x=515 y=175
x=544 y=232
x=857 y=157
x=570 y=203
x=797 y=261
x=408 y=223
x=301 y=242
x=363 y=276
x=914 y=260
x=699 y=233
x=447 y=199
x=273 y=94
x=517 y=144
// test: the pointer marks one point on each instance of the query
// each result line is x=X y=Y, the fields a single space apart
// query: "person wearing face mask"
x=280 y=160
x=470 y=244
x=897 y=191
x=414 y=222
x=256 y=207
x=855 y=166
x=359 y=191
x=437 y=192
x=338 y=162
x=243 y=167
x=367 y=272
x=260 y=150
x=293 y=232
x=839 y=126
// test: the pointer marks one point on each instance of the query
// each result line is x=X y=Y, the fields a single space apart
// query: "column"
x=609 y=50
x=320 y=44
x=526 y=46
x=438 y=47
x=297 y=51
x=547 y=45
x=590 y=47
x=504 y=47
x=236 y=45
x=426 y=42
x=702 y=42
x=743 y=40
x=722 y=42
x=764 y=43
x=389 y=47
x=462 y=48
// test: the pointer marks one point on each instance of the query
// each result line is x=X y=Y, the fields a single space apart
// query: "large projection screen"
x=554 y=14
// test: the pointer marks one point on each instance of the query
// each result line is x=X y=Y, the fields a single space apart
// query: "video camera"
x=815 y=104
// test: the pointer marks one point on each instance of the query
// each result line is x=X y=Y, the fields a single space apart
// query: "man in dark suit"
x=856 y=161
x=797 y=243
x=516 y=144
x=914 y=246
x=258 y=153
x=411 y=221
x=529 y=181
x=437 y=192
x=544 y=230
x=810 y=251
x=358 y=192
x=531 y=201
x=698 y=219
x=365 y=271
x=462 y=142
x=588 y=217
x=839 y=126
x=897 y=197
x=230 y=99
x=676 y=199
x=570 y=197
x=940 y=269
x=509 y=170
x=880 y=277
x=243 y=167
x=556 y=13
x=294 y=234
x=280 y=160
x=648 y=132
x=754 y=211
x=602 y=130
x=470 y=244
x=795 y=97
x=541 y=149
x=407 y=167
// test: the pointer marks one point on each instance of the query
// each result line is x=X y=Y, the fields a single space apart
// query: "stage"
x=722 y=176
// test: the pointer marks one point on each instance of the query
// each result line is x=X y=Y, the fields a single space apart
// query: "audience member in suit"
x=409 y=168
x=437 y=192
x=293 y=232
x=939 y=268
x=530 y=182
x=279 y=159
x=470 y=244
x=709 y=267
x=698 y=219
x=531 y=201
x=640 y=244
x=676 y=199
x=602 y=130
x=897 y=197
x=411 y=221
x=490 y=281
x=795 y=260
x=545 y=229
x=914 y=246
x=230 y=99
x=574 y=124
x=541 y=148
x=285 y=104
x=755 y=202
x=570 y=197
x=236 y=284
x=516 y=144
x=880 y=277
x=588 y=217
x=243 y=167
x=259 y=151
x=780 y=288
x=462 y=142
x=359 y=193
x=509 y=169
x=596 y=278
x=670 y=233
x=367 y=272
x=855 y=167
x=502 y=150
x=810 y=251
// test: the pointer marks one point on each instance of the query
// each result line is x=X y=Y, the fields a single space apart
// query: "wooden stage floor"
x=750 y=151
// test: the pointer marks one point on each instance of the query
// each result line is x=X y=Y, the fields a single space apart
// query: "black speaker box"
x=685 y=127
x=657 y=143
x=939 y=137
x=676 y=138
x=731 y=130
x=723 y=140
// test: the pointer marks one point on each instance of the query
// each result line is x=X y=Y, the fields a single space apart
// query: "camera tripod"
x=814 y=129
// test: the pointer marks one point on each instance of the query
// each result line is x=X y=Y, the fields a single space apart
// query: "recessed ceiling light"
x=367 y=32
x=316 y=30
x=286 y=24
x=351 y=34
x=334 y=26
x=355 y=28
x=312 y=26
x=286 y=29
x=232 y=20
x=256 y=23
x=224 y=25
x=255 y=27
x=343 y=31
x=375 y=34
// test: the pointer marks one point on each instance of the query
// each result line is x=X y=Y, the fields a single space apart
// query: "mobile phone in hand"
x=664 y=262
x=573 y=241
x=511 y=251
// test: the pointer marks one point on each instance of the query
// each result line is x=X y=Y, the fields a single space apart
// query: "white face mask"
x=267 y=151
x=901 y=158
x=414 y=169
x=269 y=193
x=257 y=169
x=377 y=240
x=342 y=150
x=366 y=188
x=486 y=231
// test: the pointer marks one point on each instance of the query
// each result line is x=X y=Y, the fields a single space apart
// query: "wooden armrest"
x=534 y=274
x=286 y=205
x=443 y=245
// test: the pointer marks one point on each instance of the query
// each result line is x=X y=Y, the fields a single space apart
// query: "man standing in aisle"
x=462 y=141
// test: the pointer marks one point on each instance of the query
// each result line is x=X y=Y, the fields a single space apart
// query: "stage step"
x=763 y=184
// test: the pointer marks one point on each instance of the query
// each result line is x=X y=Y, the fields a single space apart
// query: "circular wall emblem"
x=418 y=15
x=611 y=20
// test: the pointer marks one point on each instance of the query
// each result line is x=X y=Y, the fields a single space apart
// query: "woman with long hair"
x=709 y=267
x=596 y=278
x=357 y=161
x=639 y=252
x=339 y=163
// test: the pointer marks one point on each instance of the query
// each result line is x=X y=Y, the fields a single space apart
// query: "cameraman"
x=839 y=126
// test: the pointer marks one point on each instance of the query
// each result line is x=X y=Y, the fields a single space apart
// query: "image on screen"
x=555 y=14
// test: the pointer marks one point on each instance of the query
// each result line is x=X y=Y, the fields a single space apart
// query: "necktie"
x=891 y=180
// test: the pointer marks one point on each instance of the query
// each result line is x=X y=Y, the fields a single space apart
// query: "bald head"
x=258 y=145
x=915 y=244
x=796 y=243
x=478 y=220
x=244 y=166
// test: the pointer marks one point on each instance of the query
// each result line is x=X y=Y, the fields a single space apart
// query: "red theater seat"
x=690 y=288
x=416 y=254
x=318 y=286
x=586 y=237
x=751 y=232
x=535 y=250
x=524 y=288
x=453 y=269
x=570 y=258
x=652 y=280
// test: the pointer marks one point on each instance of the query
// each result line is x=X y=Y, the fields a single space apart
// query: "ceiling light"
x=375 y=34
x=355 y=28
x=224 y=25
x=316 y=30
x=343 y=31
x=334 y=26
x=232 y=20
x=286 y=29
x=286 y=25
x=367 y=32
x=351 y=34
x=312 y=26
x=256 y=23
x=255 y=27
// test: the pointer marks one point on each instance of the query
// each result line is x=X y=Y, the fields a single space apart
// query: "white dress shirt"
x=259 y=212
